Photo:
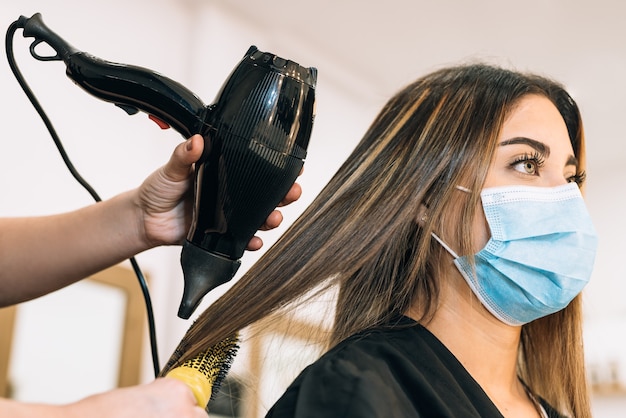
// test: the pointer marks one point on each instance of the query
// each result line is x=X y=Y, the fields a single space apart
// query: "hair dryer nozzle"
x=203 y=271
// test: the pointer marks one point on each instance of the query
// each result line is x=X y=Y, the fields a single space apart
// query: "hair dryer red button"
x=159 y=122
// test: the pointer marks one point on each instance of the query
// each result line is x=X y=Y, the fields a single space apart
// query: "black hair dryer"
x=256 y=135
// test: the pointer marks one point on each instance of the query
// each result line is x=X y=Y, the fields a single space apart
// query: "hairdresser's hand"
x=165 y=198
x=163 y=398
x=160 y=398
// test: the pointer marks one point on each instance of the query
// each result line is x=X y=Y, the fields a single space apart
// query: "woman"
x=420 y=331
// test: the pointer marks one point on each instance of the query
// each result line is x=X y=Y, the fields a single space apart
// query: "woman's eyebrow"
x=572 y=161
x=540 y=147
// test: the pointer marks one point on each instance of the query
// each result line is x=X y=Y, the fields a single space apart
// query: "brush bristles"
x=215 y=362
x=204 y=373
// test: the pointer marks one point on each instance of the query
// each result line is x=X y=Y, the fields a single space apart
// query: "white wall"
x=198 y=43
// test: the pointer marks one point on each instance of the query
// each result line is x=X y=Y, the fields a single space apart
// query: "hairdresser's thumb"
x=184 y=156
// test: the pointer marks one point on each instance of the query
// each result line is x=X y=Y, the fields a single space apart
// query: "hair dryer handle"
x=130 y=87
x=136 y=88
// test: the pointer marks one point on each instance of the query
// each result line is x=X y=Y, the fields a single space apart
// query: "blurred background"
x=364 y=52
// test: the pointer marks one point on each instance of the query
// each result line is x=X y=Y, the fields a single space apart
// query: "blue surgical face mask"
x=540 y=254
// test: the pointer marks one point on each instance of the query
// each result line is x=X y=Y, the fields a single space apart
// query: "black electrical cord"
x=29 y=93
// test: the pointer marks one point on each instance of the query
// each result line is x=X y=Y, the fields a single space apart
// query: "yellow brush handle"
x=196 y=381
x=207 y=369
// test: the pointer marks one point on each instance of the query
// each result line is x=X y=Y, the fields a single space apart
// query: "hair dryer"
x=256 y=134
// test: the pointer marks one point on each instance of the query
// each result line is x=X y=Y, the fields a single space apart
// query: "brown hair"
x=361 y=232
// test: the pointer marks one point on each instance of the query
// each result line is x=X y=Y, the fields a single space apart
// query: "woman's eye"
x=578 y=178
x=528 y=164
x=529 y=167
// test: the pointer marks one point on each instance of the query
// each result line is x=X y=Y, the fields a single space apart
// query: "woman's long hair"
x=361 y=234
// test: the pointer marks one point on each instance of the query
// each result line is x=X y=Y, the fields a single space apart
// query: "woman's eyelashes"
x=528 y=164
x=578 y=178
x=531 y=164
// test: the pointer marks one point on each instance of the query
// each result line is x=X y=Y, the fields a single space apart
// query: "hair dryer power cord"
x=29 y=93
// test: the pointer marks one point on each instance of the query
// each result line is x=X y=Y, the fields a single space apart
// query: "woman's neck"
x=485 y=346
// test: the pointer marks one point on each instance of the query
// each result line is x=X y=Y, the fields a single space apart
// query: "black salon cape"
x=403 y=371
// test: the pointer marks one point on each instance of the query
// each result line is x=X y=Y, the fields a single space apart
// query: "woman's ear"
x=422 y=215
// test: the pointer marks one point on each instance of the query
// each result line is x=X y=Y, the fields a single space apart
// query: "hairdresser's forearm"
x=42 y=254
x=162 y=398
x=20 y=410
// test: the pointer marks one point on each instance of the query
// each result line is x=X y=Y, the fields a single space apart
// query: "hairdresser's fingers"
x=273 y=220
x=163 y=196
x=255 y=244
x=184 y=155
x=292 y=195
x=184 y=399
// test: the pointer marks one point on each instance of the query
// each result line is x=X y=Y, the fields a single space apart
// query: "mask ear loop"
x=439 y=240
x=444 y=245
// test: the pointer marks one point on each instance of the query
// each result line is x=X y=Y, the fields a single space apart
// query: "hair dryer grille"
x=271 y=101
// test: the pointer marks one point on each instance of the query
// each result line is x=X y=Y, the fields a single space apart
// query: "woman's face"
x=534 y=149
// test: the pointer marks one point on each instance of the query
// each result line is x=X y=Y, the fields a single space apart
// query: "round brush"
x=205 y=372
